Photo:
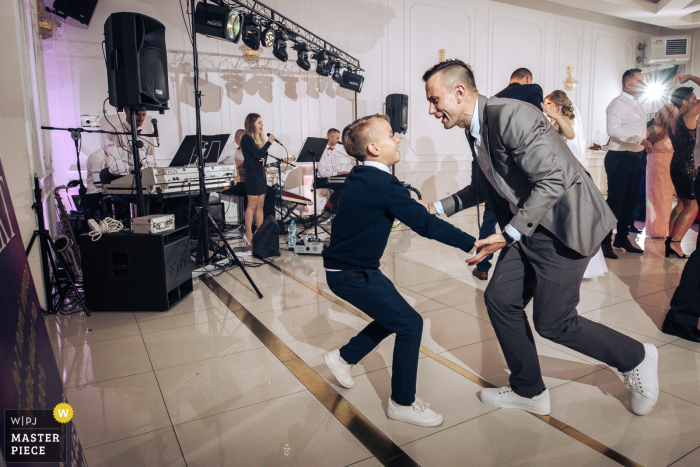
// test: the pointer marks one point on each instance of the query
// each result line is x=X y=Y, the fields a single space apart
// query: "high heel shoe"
x=670 y=251
x=247 y=243
x=668 y=241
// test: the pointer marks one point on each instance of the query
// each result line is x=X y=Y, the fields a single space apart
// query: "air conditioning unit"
x=667 y=50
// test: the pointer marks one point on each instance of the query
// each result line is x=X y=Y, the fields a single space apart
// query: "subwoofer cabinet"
x=136 y=272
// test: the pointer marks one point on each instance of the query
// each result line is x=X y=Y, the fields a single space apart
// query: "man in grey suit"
x=552 y=219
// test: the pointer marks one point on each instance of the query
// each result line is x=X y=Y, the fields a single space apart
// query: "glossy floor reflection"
x=194 y=386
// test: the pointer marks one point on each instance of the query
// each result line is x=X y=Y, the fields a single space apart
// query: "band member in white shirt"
x=117 y=148
x=232 y=153
x=96 y=162
x=329 y=166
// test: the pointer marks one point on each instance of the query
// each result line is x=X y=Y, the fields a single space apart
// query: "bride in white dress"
x=566 y=120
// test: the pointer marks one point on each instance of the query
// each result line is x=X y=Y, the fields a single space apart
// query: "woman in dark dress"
x=254 y=150
x=682 y=135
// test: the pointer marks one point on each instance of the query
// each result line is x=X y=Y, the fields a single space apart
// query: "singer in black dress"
x=254 y=150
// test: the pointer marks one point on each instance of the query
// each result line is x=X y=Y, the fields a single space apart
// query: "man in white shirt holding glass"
x=627 y=126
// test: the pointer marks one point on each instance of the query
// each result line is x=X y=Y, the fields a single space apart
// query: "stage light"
x=279 y=49
x=268 y=37
x=217 y=21
x=655 y=91
x=251 y=31
x=323 y=67
x=335 y=73
x=352 y=81
x=302 y=57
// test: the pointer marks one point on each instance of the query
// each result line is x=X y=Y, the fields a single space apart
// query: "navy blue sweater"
x=370 y=201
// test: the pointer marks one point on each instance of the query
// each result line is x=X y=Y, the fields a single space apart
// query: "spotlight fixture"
x=302 y=57
x=217 y=21
x=352 y=81
x=323 y=66
x=251 y=31
x=335 y=73
x=268 y=37
x=279 y=49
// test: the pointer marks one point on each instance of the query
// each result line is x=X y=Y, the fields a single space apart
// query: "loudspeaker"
x=397 y=110
x=80 y=10
x=266 y=241
x=136 y=272
x=137 y=64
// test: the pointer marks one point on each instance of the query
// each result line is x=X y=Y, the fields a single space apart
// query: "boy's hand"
x=487 y=246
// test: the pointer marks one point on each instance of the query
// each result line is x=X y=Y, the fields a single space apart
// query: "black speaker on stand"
x=137 y=64
x=397 y=110
x=80 y=10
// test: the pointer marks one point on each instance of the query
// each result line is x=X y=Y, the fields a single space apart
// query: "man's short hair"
x=358 y=135
x=455 y=72
x=629 y=73
x=239 y=132
x=331 y=131
x=521 y=73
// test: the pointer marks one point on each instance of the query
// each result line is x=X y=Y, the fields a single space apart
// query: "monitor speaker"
x=397 y=110
x=136 y=272
x=80 y=10
x=137 y=62
x=266 y=241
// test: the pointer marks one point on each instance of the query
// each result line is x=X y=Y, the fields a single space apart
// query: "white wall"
x=395 y=40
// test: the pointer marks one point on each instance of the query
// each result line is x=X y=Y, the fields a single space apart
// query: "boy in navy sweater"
x=372 y=198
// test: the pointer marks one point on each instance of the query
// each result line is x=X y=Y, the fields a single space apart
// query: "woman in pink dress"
x=659 y=185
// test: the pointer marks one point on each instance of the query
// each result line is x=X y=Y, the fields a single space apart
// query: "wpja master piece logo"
x=37 y=435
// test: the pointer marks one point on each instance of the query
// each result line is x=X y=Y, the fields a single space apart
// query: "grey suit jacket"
x=531 y=167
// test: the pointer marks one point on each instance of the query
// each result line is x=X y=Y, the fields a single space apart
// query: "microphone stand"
x=76 y=135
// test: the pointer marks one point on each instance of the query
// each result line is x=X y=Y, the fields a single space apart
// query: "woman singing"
x=254 y=150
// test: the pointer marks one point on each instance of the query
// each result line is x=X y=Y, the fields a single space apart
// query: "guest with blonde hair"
x=658 y=177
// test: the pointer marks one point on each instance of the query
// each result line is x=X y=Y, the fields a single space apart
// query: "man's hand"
x=647 y=145
x=595 y=147
x=487 y=246
x=343 y=173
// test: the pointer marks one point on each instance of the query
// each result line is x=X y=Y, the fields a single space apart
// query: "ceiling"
x=674 y=14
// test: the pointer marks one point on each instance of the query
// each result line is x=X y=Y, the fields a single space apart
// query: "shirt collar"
x=378 y=165
x=475 y=127
x=628 y=96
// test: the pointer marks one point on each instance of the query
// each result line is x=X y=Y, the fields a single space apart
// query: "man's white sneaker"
x=643 y=382
x=341 y=371
x=419 y=413
x=505 y=397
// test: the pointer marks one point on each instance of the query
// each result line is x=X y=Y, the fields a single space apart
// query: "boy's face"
x=385 y=148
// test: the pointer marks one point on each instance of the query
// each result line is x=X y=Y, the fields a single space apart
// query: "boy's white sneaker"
x=643 y=382
x=505 y=397
x=419 y=413
x=341 y=371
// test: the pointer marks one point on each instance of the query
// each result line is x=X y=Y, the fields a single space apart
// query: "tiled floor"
x=194 y=386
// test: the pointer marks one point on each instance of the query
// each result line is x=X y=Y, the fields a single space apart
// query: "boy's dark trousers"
x=372 y=293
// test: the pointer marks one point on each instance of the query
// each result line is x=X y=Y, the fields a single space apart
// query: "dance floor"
x=227 y=379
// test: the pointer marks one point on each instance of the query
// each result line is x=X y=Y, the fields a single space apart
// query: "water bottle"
x=292 y=236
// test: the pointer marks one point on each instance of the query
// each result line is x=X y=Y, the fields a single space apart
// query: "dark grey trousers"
x=540 y=268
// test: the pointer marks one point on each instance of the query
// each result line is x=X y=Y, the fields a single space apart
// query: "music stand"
x=311 y=152
x=212 y=145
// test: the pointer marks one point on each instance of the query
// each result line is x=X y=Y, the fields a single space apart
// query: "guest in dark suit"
x=523 y=89
x=552 y=218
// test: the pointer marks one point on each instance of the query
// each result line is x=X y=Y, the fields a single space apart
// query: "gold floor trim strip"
x=376 y=442
x=561 y=426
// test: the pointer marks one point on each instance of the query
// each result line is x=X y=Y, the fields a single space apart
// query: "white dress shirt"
x=95 y=163
x=117 y=148
x=328 y=165
x=627 y=121
x=475 y=131
x=378 y=165
x=231 y=155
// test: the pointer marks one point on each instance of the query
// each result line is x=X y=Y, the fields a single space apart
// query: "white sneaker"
x=643 y=382
x=419 y=413
x=505 y=397
x=341 y=371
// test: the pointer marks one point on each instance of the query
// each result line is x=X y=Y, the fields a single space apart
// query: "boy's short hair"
x=358 y=135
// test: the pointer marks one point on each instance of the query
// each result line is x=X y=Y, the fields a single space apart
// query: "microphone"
x=276 y=140
x=154 y=122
